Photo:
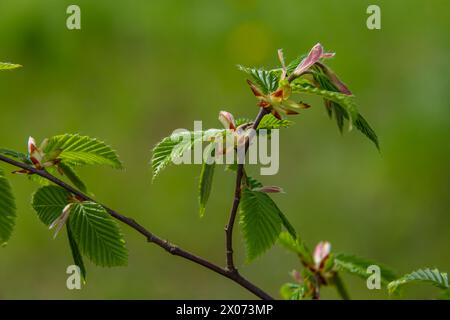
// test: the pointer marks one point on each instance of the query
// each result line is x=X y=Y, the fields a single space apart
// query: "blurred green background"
x=139 y=69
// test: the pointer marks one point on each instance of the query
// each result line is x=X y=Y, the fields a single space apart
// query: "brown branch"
x=169 y=247
x=237 y=199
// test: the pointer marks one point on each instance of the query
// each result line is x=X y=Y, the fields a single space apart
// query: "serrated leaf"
x=269 y=122
x=260 y=221
x=296 y=246
x=82 y=150
x=255 y=184
x=362 y=125
x=346 y=101
x=432 y=276
x=266 y=80
x=49 y=202
x=293 y=291
x=70 y=173
x=358 y=266
x=97 y=235
x=205 y=184
x=76 y=255
x=7 y=210
x=175 y=145
x=9 y=66
x=15 y=154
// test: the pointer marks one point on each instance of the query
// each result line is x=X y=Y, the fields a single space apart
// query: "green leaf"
x=267 y=81
x=346 y=101
x=205 y=185
x=9 y=66
x=358 y=266
x=293 y=291
x=254 y=184
x=76 y=255
x=82 y=150
x=269 y=122
x=97 y=235
x=362 y=125
x=70 y=173
x=175 y=145
x=432 y=276
x=17 y=155
x=7 y=210
x=296 y=246
x=260 y=221
x=49 y=202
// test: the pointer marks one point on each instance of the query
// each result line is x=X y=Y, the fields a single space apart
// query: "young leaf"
x=432 y=276
x=49 y=202
x=297 y=246
x=7 y=210
x=293 y=291
x=9 y=66
x=70 y=173
x=267 y=81
x=358 y=266
x=97 y=235
x=17 y=155
x=261 y=222
x=363 y=126
x=346 y=101
x=175 y=145
x=269 y=122
x=206 y=179
x=76 y=255
x=82 y=150
x=254 y=184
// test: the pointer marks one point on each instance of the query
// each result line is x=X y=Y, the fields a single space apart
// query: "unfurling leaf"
x=358 y=266
x=432 y=276
x=175 y=145
x=267 y=81
x=7 y=210
x=97 y=235
x=82 y=150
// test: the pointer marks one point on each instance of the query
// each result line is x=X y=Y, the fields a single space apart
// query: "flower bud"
x=321 y=253
x=227 y=120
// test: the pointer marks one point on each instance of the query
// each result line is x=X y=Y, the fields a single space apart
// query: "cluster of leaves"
x=91 y=231
x=318 y=82
x=261 y=219
x=312 y=276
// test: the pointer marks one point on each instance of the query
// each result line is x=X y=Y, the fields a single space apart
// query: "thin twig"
x=237 y=199
x=169 y=247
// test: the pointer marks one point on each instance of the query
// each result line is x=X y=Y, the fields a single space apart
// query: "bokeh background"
x=139 y=69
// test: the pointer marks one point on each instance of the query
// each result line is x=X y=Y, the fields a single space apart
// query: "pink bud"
x=227 y=120
x=269 y=189
x=31 y=145
x=296 y=276
x=321 y=253
x=314 y=56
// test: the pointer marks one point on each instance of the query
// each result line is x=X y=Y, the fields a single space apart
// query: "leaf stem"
x=151 y=237
x=237 y=199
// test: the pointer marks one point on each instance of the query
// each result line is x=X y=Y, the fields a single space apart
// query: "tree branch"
x=237 y=199
x=169 y=247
